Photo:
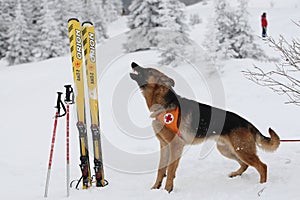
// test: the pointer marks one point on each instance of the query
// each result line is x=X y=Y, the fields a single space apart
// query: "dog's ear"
x=168 y=81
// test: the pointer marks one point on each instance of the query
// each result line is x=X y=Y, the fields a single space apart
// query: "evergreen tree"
x=94 y=12
x=230 y=35
x=74 y=9
x=62 y=12
x=51 y=41
x=117 y=6
x=18 y=51
x=141 y=21
x=34 y=12
x=175 y=40
x=7 y=15
x=244 y=45
x=156 y=23
x=112 y=9
x=34 y=15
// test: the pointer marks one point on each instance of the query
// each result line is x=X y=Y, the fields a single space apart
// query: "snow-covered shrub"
x=195 y=19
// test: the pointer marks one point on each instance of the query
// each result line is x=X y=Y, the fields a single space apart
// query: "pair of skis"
x=83 y=43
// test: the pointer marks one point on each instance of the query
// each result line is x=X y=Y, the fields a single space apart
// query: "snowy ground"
x=130 y=150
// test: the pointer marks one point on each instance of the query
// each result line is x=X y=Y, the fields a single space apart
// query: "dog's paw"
x=156 y=186
x=234 y=174
x=169 y=188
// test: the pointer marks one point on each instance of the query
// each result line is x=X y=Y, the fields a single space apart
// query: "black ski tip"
x=73 y=19
x=86 y=23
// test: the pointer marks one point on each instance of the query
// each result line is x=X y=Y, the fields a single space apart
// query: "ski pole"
x=68 y=150
x=51 y=154
x=68 y=100
x=57 y=114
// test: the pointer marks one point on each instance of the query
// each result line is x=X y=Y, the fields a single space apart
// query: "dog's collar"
x=169 y=119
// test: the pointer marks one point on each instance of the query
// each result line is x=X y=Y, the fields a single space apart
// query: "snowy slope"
x=130 y=150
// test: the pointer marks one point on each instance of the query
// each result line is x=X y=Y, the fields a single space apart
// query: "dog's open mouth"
x=134 y=74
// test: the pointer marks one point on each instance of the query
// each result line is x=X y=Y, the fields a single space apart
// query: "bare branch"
x=285 y=78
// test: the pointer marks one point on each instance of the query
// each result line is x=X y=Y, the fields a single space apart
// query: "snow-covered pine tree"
x=75 y=9
x=34 y=15
x=155 y=23
x=118 y=6
x=18 y=49
x=51 y=40
x=230 y=34
x=244 y=45
x=112 y=9
x=213 y=33
x=141 y=21
x=93 y=11
x=174 y=38
x=62 y=12
x=7 y=15
x=219 y=30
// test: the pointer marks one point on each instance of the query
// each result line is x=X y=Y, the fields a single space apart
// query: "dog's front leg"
x=163 y=163
x=176 y=149
x=160 y=132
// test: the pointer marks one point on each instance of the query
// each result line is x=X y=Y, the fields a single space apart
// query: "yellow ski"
x=89 y=44
x=75 y=36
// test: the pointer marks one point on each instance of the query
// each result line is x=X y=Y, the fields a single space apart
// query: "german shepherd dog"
x=236 y=138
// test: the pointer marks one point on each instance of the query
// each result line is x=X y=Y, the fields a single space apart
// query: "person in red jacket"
x=264 y=24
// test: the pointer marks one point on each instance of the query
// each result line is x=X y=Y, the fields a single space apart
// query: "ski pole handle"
x=69 y=99
x=60 y=104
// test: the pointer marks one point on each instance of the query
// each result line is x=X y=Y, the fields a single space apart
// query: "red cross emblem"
x=168 y=118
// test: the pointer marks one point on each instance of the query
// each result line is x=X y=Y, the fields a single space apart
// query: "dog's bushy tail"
x=269 y=144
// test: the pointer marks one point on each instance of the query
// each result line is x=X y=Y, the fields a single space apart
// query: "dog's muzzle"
x=136 y=71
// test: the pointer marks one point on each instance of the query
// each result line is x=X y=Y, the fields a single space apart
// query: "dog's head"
x=149 y=77
x=155 y=86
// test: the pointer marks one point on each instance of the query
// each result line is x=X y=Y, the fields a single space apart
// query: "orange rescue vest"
x=169 y=119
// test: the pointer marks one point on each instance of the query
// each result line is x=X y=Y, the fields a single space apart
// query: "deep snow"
x=130 y=149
